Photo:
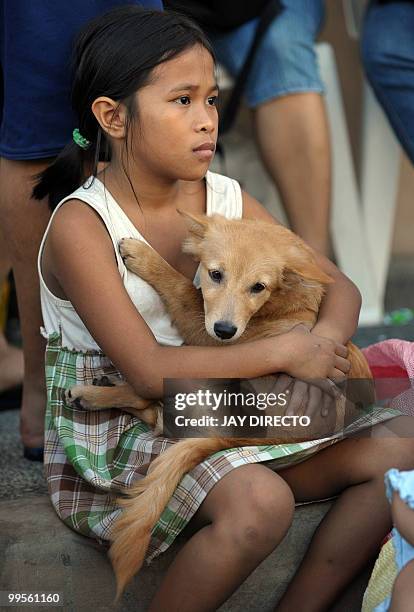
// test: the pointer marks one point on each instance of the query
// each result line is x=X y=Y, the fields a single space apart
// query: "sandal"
x=33 y=454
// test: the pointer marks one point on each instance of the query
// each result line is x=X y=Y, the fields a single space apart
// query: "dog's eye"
x=257 y=288
x=215 y=275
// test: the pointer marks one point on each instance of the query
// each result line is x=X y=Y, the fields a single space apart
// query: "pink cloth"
x=392 y=364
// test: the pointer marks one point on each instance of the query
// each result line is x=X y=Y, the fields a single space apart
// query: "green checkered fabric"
x=91 y=456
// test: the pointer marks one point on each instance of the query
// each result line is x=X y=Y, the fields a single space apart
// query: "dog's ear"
x=301 y=266
x=197 y=227
x=197 y=224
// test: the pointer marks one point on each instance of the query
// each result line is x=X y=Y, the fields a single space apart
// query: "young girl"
x=145 y=93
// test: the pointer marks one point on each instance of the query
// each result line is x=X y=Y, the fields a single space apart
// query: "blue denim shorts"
x=286 y=61
x=388 y=55
x=36 y=118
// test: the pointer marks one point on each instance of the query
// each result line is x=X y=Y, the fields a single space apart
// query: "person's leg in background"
x=23 y=222
x=11 y=357
x=34 y=129
x=387 y=48
x=284 y=91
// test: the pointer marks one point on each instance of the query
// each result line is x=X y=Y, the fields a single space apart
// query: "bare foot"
x=11 y=367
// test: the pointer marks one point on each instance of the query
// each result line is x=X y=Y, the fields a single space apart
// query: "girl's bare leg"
x=352 y=531
x=23 y=222
x=236 y=531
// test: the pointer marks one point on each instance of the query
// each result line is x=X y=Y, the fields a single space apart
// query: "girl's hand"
x=319 y=360
x=304 y=398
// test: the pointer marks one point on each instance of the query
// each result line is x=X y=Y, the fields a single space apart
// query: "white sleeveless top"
x=223 y=197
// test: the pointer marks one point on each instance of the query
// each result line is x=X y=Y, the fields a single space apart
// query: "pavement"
x=40 y=554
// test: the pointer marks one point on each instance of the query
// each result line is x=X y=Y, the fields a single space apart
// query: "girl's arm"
x=83 y=263
x=339 y=311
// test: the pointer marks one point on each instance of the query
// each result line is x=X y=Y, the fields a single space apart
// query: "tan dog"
x=257 y=279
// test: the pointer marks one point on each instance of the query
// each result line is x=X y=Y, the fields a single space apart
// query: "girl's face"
x=176 y=131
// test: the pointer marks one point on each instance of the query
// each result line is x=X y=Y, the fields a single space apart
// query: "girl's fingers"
x=327 y=403
x=314 y=405
x=297 y=398
x=338 y=376
x=328 y=386
x=341 y=350
x=342 y=364
x=282 y=383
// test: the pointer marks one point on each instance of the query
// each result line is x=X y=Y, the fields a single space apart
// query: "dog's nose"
x=224 y=329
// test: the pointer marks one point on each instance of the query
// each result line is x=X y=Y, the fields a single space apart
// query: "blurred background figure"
x=36 y=123
x=11 y=357
x=388 y=56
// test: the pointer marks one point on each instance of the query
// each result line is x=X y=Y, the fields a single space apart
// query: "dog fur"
x=250 y=252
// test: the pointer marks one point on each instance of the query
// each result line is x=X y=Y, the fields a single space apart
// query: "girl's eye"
x=212 y=100
x=257 y=288
x=184 y=100
x=215 y=275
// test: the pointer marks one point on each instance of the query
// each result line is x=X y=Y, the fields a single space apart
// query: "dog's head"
x=251 y=268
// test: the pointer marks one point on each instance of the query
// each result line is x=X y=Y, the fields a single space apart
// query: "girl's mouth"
x=203 y=154
x=205 y=151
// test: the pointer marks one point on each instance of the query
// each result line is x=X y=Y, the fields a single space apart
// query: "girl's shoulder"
x=221 y=183
x=252 y=209
x=229 y=197
x=90 y=205
x=80 y=220
x=76 y=228
x=224 y=196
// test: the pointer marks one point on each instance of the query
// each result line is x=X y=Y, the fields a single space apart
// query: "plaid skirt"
x=91 y=456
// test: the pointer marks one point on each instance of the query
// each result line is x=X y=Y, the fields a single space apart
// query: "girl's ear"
x=197 y=224
x=110 y=115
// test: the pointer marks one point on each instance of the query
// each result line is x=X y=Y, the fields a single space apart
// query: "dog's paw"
x=134 y=253
x=74 y=397
x=141 y=259
x=159 y=424
x=107 y=380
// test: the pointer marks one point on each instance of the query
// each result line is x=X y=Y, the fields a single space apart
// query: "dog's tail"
x=146 y=501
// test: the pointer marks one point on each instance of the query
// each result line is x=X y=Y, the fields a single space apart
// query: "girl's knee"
x=260 y=511
x=269 y=493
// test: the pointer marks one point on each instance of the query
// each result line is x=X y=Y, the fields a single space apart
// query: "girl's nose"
x=205 y=122
x=207 y=126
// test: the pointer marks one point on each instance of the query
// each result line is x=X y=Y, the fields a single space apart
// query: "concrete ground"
x=40 y=554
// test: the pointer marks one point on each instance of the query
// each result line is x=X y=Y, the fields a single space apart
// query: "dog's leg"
x=183 y=301
x=94 y=397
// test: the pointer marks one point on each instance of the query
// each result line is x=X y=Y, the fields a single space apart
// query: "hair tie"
x=80 y=140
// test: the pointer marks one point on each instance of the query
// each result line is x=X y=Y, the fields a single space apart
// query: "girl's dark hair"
x=114 y=56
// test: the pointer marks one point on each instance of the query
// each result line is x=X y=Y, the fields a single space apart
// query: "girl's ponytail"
x=64 y=175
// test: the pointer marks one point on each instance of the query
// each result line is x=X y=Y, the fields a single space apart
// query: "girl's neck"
x=153 y=193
